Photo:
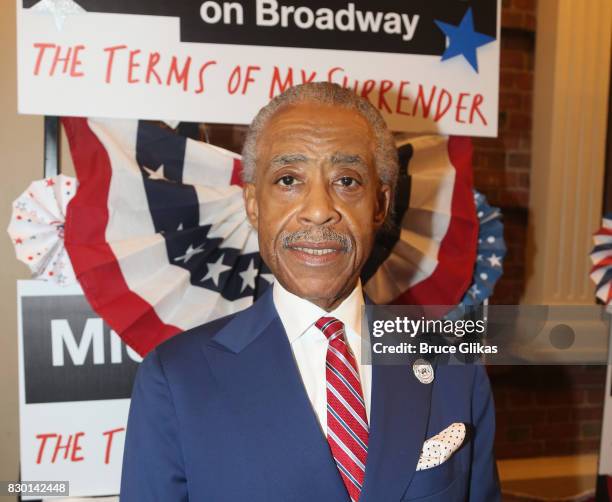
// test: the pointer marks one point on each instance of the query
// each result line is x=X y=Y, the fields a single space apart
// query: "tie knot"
x=330 y=326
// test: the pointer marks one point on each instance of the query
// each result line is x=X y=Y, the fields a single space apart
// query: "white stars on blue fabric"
x=215 y=270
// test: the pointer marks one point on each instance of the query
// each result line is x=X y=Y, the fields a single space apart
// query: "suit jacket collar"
x=398 y=428
x=248 y=324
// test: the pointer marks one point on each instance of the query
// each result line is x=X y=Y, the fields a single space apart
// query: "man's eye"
x=287 y=181
x=347 y=181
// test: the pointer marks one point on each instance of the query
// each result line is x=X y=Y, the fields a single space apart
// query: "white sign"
x=75 y=379
x=427 y=66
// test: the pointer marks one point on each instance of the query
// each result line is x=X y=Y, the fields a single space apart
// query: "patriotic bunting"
x=601 y=256
x=37 y=228
x=160 y=242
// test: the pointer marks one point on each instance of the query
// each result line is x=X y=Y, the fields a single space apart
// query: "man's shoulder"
x=230 y=332
x=196 y=336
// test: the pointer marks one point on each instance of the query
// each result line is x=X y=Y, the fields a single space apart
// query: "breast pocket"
x=447 y=480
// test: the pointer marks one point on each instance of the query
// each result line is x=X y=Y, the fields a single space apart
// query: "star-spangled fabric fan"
x=490 y=254
x=601 y=256
x=160 y=242
x=37 y=228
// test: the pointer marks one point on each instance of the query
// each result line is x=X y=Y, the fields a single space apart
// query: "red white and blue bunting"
x=490 y=254
x=160 y=243
x=37 y=228
x=601 y=256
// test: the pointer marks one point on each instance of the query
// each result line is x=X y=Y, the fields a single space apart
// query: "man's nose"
x=318 y=206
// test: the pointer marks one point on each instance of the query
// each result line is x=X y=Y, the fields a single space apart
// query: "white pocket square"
x=440 y=447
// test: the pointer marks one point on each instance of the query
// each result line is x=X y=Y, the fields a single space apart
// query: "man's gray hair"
x=331 y=94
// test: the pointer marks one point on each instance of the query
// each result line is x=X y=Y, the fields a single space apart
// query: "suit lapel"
x=398 y=426
x=399 y=416
x=252 y=361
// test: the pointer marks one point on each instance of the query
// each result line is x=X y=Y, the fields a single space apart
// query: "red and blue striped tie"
x=347 y=422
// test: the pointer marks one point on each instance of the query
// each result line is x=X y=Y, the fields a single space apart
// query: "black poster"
x=70 y=353
x=406 y=27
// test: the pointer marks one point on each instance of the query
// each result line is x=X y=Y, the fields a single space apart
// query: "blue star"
x=463 y=40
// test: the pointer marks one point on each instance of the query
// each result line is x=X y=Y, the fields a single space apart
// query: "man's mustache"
x=315 y=236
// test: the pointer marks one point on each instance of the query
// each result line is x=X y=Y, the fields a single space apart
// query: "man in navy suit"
x=274 y=404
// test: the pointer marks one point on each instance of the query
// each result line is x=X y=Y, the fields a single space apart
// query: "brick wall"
x=549 y=410
x=501 y=165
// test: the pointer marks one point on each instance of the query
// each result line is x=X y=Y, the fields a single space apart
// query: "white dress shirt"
x=309 y=344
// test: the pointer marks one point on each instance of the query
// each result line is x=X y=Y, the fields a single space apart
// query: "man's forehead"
x=309 y=132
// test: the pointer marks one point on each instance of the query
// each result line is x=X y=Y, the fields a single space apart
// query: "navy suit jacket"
x=219 y=413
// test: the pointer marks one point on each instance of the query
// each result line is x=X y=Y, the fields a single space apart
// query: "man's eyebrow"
x=286 y=159
x=346 y=158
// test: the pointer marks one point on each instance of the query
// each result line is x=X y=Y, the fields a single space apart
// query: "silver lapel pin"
x=423 y=370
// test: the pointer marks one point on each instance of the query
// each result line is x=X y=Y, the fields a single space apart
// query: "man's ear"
x=250 y=204
x=383 y=204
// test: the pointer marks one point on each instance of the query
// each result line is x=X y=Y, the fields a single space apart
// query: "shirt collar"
x=298 y=314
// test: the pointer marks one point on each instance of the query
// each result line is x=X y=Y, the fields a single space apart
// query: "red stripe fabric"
x=457 y=254
x=236 y=178
x=93 y=260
